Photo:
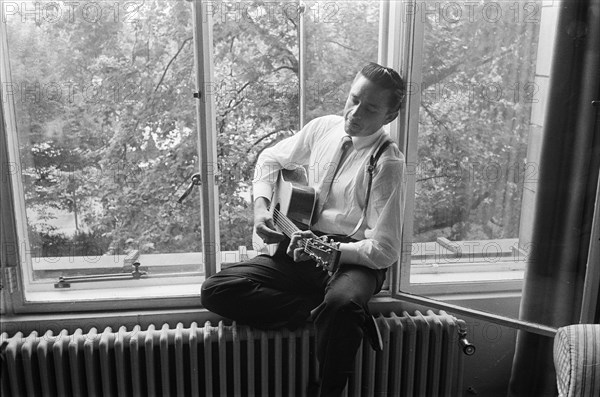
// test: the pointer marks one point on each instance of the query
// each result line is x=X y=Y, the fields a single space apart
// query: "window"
x=105 y=130
x=471 y=144
x=102 y=117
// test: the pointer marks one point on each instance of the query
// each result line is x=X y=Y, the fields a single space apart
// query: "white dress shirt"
x=314 y=147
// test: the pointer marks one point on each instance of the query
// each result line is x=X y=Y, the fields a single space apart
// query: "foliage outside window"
x=476 y=97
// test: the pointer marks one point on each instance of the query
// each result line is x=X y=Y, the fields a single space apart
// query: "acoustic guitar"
x=292 y=208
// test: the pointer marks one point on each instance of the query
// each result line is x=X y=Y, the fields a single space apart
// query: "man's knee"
x=221 y=292
x=207 y=292
x=215 y=292
x=344 y=304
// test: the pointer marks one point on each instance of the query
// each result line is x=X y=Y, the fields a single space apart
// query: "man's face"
x=367 y=108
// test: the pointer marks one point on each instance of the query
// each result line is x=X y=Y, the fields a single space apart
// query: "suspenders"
x=370 y=170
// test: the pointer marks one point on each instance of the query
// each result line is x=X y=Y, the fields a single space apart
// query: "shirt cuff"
x=262 y=189
x=349 y=254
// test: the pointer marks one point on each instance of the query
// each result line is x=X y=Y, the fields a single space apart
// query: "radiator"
x=421 y=357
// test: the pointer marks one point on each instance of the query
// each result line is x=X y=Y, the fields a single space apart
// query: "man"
x=286 y=289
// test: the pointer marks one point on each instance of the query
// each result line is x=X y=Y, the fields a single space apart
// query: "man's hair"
x=386 y=78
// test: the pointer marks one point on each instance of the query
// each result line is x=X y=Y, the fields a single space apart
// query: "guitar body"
x=292 y=207
x=292 y=198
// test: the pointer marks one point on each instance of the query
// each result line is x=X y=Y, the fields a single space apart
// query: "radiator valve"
x=467 y=347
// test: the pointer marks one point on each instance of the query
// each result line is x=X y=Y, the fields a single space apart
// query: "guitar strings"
x=283 y=222
x=288 y=228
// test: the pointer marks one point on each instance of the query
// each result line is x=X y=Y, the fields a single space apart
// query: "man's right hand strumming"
x=263 y=222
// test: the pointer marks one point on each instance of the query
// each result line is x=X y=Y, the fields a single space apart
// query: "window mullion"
x=406 y=55
x=302 y=62
x=384 y=35
x=207 y=134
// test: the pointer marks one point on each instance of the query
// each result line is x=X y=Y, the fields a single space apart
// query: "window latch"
x=196 y=181
x=136 y=274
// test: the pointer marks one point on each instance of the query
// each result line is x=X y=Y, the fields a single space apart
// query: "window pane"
x=256 y=93
x=477 y=94
x=107 y=132
x=256 y=50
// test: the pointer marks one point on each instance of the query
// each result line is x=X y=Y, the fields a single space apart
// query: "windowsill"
x=170 y=281
x=27 y=322
x=466 y=277
x=382 y=303
x=179 y=287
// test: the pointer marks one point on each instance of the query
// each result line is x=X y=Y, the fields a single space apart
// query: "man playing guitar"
x=359 y=191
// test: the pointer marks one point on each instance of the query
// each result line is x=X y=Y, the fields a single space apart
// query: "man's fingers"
x=268 y=235
x=270 y=224
x=300 y=255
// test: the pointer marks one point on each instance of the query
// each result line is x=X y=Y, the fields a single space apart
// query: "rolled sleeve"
x=290 y=153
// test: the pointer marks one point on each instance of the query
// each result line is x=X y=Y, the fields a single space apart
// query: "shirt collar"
x=361 y=142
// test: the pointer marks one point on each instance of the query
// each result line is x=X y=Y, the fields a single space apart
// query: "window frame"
x=406 y=54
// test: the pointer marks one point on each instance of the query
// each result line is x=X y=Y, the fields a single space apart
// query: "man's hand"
x=263 y=222
x=296 y=247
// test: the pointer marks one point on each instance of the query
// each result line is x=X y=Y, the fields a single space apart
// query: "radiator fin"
x=421 y=357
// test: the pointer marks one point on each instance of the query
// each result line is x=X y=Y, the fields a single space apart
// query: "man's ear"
x=391 y=116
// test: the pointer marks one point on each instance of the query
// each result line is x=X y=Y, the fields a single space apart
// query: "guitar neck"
x=323 y=253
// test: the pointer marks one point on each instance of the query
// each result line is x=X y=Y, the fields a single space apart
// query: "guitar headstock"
x=325 y=254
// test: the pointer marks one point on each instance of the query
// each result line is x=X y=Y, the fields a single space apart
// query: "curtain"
x=568 y=171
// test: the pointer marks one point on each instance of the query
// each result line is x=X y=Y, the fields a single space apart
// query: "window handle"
x=196 y=181
x=136 y=274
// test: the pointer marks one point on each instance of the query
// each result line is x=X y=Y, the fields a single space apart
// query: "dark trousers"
x=271 y=292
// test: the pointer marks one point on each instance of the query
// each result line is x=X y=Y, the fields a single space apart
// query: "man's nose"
x=357 y=112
